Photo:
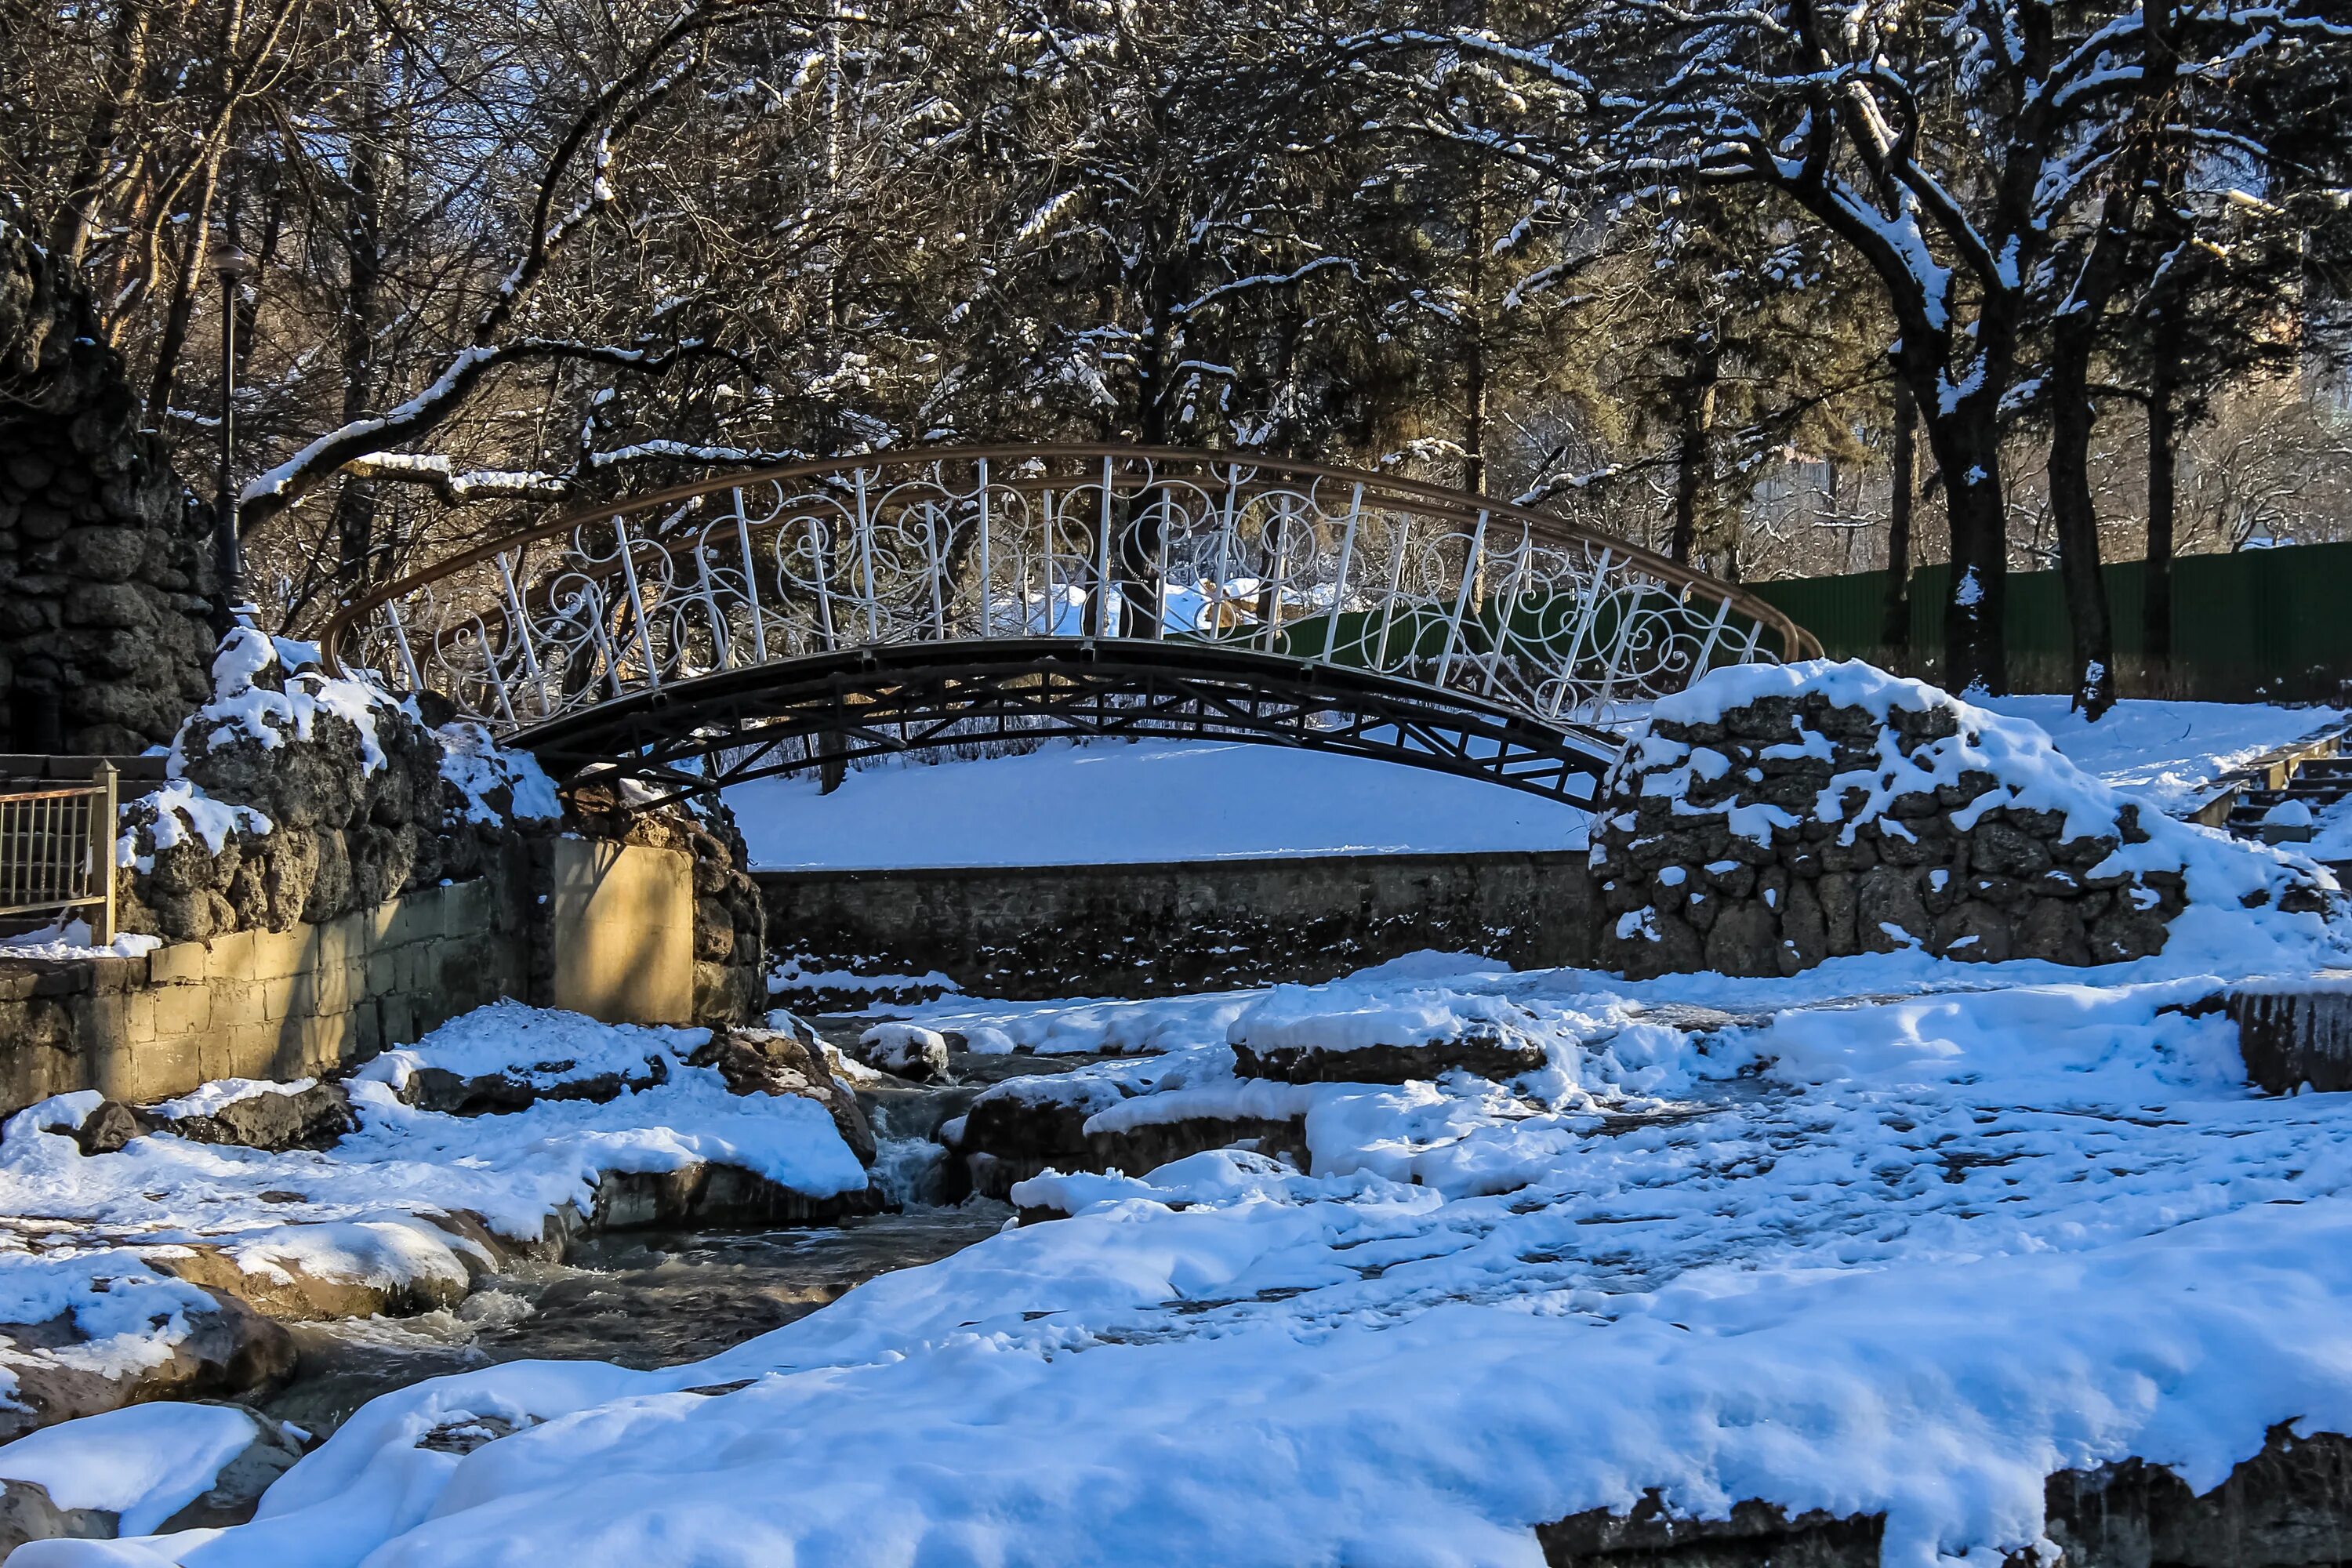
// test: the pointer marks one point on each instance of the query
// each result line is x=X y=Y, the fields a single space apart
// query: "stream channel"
x=648 y=1299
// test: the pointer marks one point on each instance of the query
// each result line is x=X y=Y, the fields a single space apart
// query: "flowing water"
x=648 y=1299
x=642 y=1298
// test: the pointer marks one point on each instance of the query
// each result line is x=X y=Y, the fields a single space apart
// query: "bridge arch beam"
x=732 y=727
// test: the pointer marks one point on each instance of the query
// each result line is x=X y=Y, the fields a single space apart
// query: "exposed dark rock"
x=105 y=630
x=311 y=1118
x=2290 y=1506
x=491 y=1094
x=236 y=1490
x=468 y=1433
x=718 y=1195
x=28 y=1513
x=111 y=1126
x=1757 y=1535
x=1494 y=1054
x=1007 y=1139
x=230 y=1350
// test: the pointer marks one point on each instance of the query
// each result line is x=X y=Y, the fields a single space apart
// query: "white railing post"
x=1339 y=584
x=987 y=603
x=1471 y=562
x=400 y=640
x=866 y=559
x=750 y=578
x=636 y=607
x=1103 y=595
x=821 y=560
x=102 y=813
x=522 y=631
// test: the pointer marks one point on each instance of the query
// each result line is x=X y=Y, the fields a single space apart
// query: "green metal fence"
x=2271 y=622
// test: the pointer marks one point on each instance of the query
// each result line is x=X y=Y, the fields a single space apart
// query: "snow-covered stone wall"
x=295 y=795
x=106 y=571
x=1769 y=817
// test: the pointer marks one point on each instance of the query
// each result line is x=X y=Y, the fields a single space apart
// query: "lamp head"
x=233 y=265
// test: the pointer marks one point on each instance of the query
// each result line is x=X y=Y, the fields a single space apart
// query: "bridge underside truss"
x=802 y=713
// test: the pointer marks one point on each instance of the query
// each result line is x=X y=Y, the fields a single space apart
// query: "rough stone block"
x=237 y=1003
x=621 y=928
x=183 y=1010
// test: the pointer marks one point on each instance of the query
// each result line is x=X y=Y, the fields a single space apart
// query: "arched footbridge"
x=765 y=622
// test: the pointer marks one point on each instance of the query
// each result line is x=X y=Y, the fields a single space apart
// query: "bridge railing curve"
x=1448 y=590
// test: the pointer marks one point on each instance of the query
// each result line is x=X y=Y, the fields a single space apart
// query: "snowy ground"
x=1737 y=1239
x=1165 y=800
x=1152 y=800
x=1894 y=1236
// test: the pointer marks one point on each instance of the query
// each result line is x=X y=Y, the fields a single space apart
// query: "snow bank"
x=2166 y=753
x=363 y=1211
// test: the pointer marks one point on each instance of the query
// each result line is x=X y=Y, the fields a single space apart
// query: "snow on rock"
x=142 y=1462
x=294 y=794
x=115 y=1251
x=1770 y=816
x=1363 y=1034
x=496 y=784
x=909 y=1050
x=506 y=1056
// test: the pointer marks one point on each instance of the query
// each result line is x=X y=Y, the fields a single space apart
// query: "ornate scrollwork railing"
x=1410 y=581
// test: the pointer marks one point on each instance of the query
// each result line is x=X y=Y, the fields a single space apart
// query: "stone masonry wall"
x=107 y=582
x=258 y=1004
x=1792 y=829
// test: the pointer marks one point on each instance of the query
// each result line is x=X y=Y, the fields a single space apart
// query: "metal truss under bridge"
x=770 y=622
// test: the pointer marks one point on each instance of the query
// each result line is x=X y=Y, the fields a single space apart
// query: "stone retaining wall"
x=315 y=998
x=1033 y=932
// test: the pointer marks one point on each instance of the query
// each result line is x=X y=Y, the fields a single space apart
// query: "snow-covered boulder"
x=788 y=1061
x=1770 y=816
x=1343 y=1034
x=142 y=1469
x=906 y=1050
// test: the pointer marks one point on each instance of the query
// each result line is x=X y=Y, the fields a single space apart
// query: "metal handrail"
x=1795 y=641
x=57 y=849
x=950 y=546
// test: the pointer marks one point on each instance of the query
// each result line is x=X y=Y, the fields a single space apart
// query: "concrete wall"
x=1154 y=928
x=283 y=1005
x=627 y=915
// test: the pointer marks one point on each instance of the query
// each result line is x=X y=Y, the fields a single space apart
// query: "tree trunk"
x=1967 y=447
x=356 y=507
x=1896 y=630
x=1691 y=465
x=2156 y=602
x=2076 y=517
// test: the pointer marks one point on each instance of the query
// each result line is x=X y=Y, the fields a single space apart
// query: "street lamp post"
x=234 y=267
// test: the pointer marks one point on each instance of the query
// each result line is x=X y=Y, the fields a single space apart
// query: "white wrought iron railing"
x=1445 y=589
